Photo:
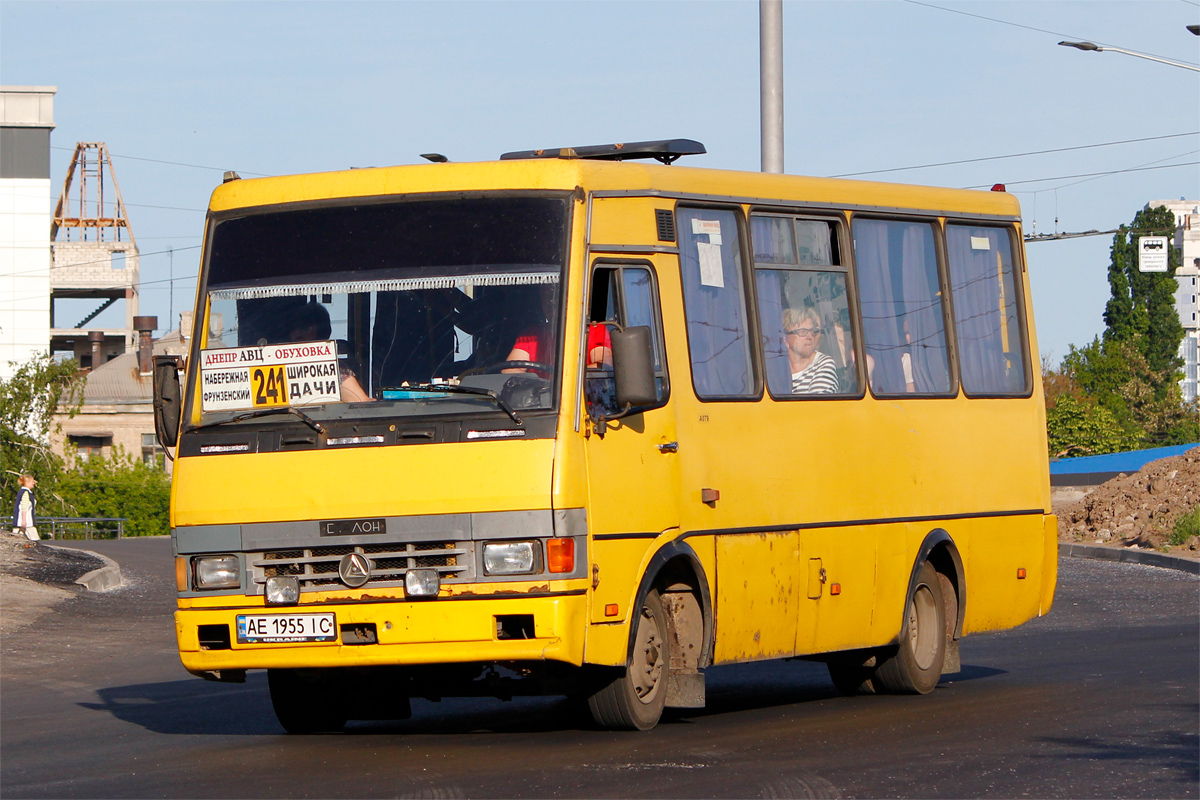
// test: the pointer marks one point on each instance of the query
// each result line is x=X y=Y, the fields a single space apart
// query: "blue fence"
x=1089 y=470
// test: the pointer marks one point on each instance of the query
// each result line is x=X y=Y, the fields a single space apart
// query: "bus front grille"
x=317 y=567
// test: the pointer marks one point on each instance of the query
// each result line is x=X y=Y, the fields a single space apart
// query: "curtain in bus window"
x=990 y=340
x=923 y=320
x=770 y=312
x=773 y=239
x=901 y=306
x=710 y=260
x=880 y=337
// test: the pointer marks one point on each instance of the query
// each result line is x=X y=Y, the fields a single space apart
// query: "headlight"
x=508 y=558
x=217 y=572
x=422 y=583
x=282 y=590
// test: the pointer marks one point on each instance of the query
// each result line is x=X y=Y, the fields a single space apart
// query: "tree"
x=1122 y=391
x=29 y=400
x=120 y=486
x=1077 y=427
x=1141 y=309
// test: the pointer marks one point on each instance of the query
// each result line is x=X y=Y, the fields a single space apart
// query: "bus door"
x=633 y=469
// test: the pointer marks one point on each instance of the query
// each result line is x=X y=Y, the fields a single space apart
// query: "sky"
x=181 y=91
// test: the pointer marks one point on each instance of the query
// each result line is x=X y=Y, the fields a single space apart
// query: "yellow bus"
x=575 y=423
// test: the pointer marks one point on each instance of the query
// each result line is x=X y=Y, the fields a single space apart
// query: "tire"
x=307 y=701
x=916 y=664
x=633 y=699
x=852 y=679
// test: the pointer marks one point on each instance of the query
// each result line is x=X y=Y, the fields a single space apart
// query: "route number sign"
x=272 y=376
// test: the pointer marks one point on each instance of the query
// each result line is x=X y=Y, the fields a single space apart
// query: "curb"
x=104 y=579
x=1147 y=557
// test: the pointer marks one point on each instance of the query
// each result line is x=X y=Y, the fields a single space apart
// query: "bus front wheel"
x=307 y=701
x=634 y=698
x=916 y=664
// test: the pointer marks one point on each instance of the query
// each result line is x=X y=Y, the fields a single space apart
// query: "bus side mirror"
x=633 y=367
x=168 y=405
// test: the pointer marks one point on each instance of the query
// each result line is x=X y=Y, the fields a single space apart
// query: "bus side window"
x=807 y=335
x=903 y=322
x=991 y=342
x=710 y=259
x=804 y=308
x=623 y=295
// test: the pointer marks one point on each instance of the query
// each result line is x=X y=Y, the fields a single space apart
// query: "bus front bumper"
x=404 y=632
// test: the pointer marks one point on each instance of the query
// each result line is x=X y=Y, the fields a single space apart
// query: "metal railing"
x=84 y=527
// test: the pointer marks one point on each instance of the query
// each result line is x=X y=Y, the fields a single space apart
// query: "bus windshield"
x=360 y=310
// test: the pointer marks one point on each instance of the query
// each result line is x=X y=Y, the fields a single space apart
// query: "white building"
x=26 y=119
x=1187 y=242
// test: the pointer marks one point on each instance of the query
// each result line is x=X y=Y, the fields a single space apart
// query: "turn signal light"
x=181 y=574
x=835 y=588
x=1020 y=573
x=560 y=555
x=610 y=610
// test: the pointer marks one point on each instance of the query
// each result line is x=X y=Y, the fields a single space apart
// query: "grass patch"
x=1186 y=526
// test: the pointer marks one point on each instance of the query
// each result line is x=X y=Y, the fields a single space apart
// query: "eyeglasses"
x=807 y=333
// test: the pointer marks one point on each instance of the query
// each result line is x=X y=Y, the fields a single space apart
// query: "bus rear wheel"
x=635 y=697
x=916 y=664
x=307 y=701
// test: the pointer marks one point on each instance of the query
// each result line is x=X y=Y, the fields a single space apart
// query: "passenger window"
x=714 y=303
x=804 y=311
x=990 y=340
x=900 y=295
x=620 y=295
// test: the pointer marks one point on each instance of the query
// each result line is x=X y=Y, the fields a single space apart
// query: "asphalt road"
x=1099 y=699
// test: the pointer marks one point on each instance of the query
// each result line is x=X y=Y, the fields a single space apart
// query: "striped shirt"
x=819 y=377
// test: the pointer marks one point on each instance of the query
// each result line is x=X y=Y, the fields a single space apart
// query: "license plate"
x=285 y=628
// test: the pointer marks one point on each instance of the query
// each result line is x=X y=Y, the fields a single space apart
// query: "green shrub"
x=1186 y=526
x=120 y=486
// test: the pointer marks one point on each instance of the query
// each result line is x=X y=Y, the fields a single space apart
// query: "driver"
x=536 y=342
x=310 y=323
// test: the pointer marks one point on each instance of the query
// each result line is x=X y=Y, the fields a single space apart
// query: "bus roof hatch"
x=665 y=150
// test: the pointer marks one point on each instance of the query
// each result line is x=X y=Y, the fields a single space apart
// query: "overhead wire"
x=172 y=163
x=1013 y=24
x=1088 y=175
x=1015 y=155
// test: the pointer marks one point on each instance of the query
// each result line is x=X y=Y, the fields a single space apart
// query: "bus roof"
x=567 y=174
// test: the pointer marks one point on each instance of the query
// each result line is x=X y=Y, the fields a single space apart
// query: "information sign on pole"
x=1152 y=253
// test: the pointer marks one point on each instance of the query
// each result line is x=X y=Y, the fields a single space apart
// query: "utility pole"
x=171 y=285
x=770 y=50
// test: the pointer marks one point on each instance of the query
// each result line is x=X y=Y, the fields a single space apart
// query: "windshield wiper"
x=456 y=389
x=266 y=412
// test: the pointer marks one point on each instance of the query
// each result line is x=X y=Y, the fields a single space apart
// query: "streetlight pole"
x=1099 y=49
x=770 y=55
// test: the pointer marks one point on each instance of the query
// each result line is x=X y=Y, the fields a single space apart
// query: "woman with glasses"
x=813 y=372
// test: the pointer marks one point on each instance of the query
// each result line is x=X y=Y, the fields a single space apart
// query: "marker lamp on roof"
x=508 y=558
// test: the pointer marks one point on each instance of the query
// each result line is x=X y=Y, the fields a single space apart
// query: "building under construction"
x=93 y=257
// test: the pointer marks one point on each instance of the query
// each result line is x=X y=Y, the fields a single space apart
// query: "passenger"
x=813 y=372
x=311 y=324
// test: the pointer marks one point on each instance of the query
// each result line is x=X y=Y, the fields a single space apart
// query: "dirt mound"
x=1140 y=509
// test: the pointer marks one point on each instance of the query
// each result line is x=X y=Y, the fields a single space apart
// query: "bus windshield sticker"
x=303 y=373
x=710 y=226
x=711 y=273
x=980 y=243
